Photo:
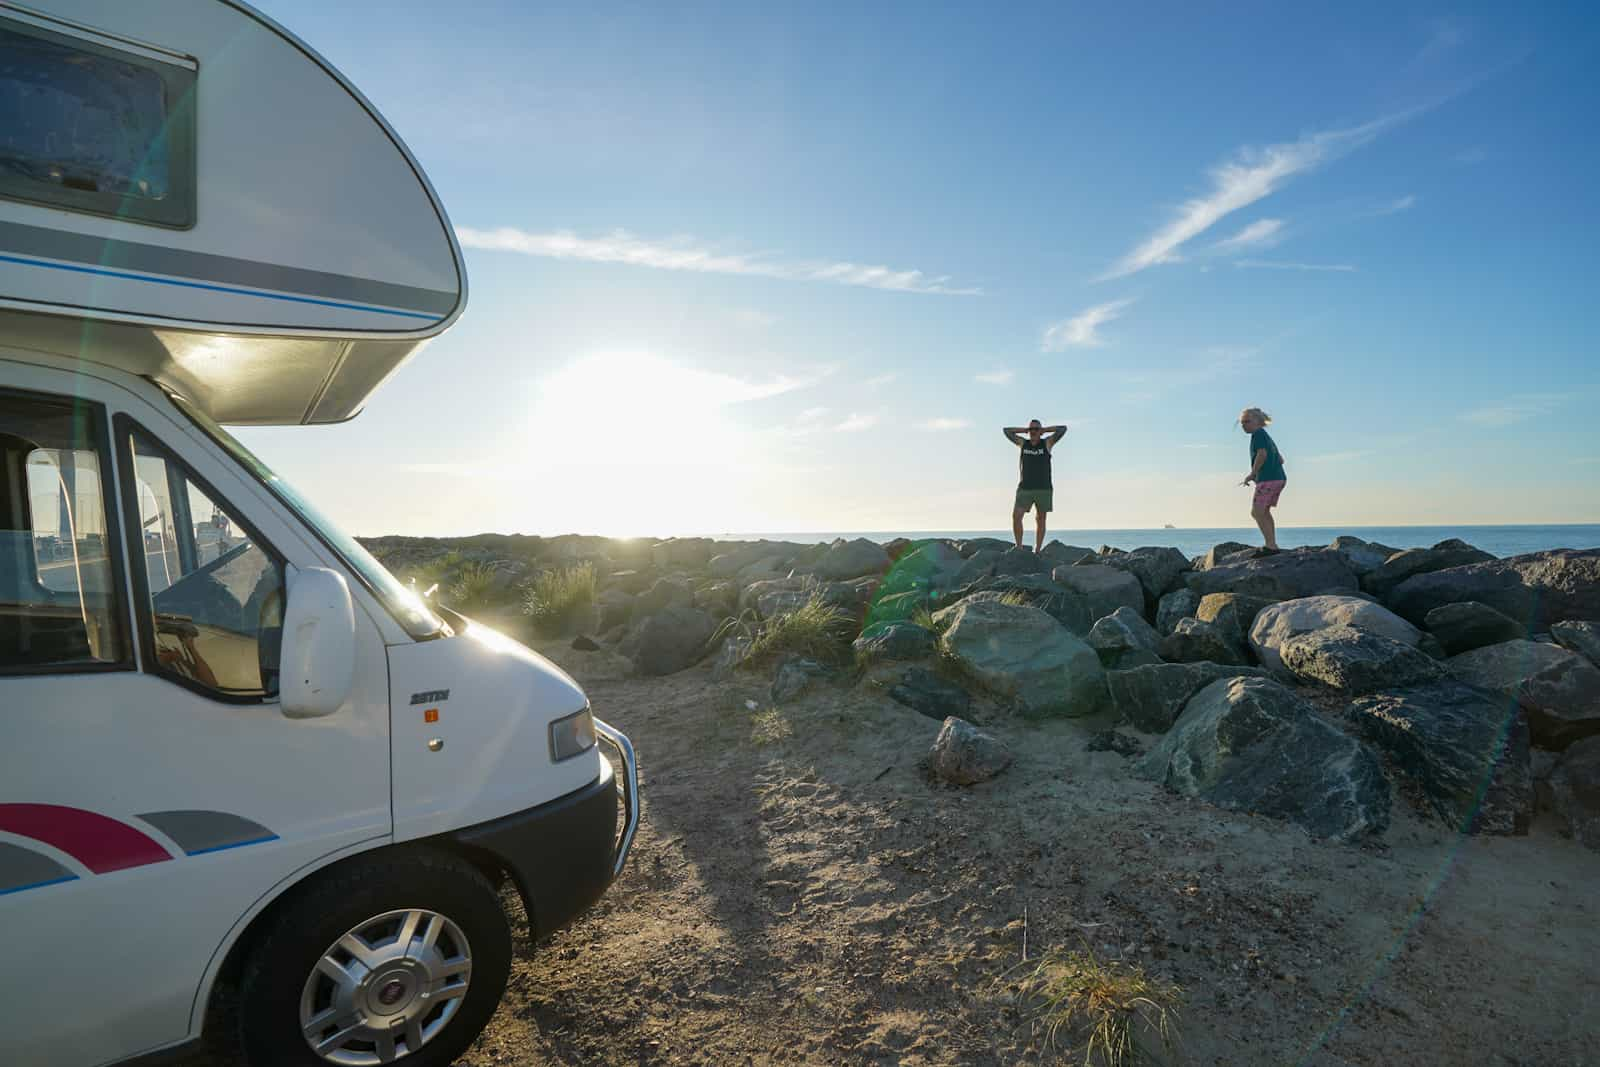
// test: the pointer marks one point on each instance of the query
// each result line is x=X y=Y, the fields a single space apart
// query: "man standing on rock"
x=1034 y=487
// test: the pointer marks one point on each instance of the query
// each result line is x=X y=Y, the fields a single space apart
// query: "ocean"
x=1496 y=540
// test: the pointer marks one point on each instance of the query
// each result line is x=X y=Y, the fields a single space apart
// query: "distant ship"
x=1168 y=526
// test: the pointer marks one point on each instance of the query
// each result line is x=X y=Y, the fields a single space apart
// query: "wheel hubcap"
x=386 y=988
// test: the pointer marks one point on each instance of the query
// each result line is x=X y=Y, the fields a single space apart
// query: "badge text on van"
x=431 y=696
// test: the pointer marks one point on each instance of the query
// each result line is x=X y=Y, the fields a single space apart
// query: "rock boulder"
x=1465 y=749
x=962 y=754
x=1580 y=637
x=1414 y=561
x=1276 y=623
x=1178 y=604
x=1151 y=697
x=1104 y=589
x=926 y=693
x=670 y=640
x=1298 y=573
x=1468 y=625
x=1124 y=630
x=1249 y=744
x=1559 y=690
x=896 y=640
x=1356 y=661
x=851 y=559
x=1158 y=571
x=1575 y=791
x=1021 y=653
x=1193 y=641
x=1536 y=590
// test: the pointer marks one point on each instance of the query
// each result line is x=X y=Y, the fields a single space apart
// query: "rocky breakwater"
x=1302 y=685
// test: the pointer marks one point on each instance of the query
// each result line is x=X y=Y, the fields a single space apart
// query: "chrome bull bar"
x=627 y=785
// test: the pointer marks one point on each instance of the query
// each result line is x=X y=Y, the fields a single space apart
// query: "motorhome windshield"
x=407 y=608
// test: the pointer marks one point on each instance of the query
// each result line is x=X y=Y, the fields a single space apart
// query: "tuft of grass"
x=1110 y=1003
x=1015 y=598
x=770 y=727
x=556 y=598
x=470 y=590
x=923 y=617
x=816 y=629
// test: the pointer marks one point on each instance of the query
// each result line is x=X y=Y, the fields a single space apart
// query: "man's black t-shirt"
x=1034 y=465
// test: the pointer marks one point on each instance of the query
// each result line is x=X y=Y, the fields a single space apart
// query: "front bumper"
x=562 y=855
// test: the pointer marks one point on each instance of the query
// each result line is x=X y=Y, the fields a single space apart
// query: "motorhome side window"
x=60 y=608
x=90 y=126
x=215 y=612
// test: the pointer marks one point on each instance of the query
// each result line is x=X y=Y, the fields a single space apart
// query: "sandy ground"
x=800 y=892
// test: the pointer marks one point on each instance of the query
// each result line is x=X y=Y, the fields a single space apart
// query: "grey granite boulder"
x=1276 y=623
x=978 y=566
x=1466 y=749
x=1104 y=589
x=1575 y=792
x=1467 y=625
x=1124 y=630
x=1178 y=604
x=1356 y=661
x=926 y=693
x=1021 y=653
x=776 y=596
x=1151 y=697
x=895 y=640
x=662 y=592
x=1414 y=561
x=614 y=608
x=670 y=640
x=851 y=559
x=1158 y=571
x=962 y=754
x=794 y=677
x=1362 y=557
x=1580 y=637
x=1219 y=554
x=1250 y=744
x=1232 y=614
x=1193 y=641
x=1015 y=562
x=1537 y=589
x=1038 y=590
x=982 y=544
x=1297 y=573
x=1559 y=690
x=1057 y=554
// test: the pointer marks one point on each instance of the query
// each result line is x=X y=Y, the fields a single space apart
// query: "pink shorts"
x=1267 y=493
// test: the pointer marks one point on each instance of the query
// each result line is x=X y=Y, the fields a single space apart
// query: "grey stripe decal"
x=22 y=868
x=207 y=831
x=203 y=266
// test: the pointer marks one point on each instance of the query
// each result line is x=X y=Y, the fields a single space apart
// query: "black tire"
x=319 y=914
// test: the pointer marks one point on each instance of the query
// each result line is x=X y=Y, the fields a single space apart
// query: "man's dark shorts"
x=1034 y=498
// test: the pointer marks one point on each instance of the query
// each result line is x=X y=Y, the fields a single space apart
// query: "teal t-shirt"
x=1272 y=469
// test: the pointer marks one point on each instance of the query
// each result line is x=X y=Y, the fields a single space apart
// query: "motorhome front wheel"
x=389 y=960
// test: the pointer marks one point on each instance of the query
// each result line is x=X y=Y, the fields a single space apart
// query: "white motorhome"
x=250 y=785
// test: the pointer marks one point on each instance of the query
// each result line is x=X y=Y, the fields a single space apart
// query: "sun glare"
x=653 y=445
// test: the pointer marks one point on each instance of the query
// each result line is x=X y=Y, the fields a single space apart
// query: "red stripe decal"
x=100 y=844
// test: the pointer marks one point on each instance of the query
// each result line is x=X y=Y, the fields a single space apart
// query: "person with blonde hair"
x=1266 y=470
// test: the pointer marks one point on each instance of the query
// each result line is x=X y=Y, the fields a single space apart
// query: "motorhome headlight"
x=572 y=736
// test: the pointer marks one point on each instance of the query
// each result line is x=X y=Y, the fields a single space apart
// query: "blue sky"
x=741 y=269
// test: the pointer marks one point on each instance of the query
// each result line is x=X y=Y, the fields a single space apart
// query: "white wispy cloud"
x=1404 y=203
x=1082 y=330
x=1517 y=408
x=753 y=318
x=812 y=414
x=1253 y=174
x=879 y=381
x=1200 y=445
x=1469 y=156
x=1261 y=233
x=946 y=424
x=1273 y=264
x=688 y=254
x=999 y=377
x=855 y=422
x=1340 y=457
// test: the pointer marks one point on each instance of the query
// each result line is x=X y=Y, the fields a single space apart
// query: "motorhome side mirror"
x=319 y=644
